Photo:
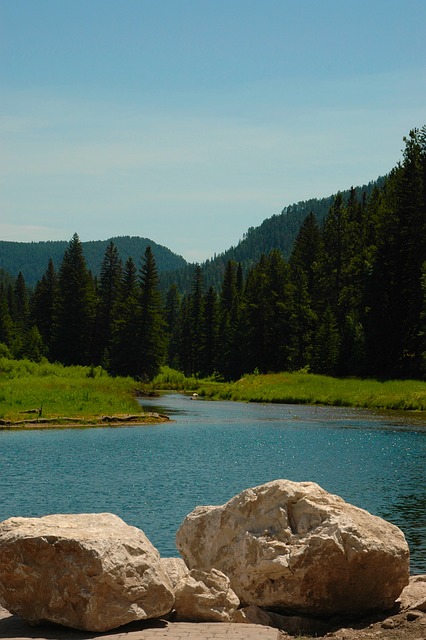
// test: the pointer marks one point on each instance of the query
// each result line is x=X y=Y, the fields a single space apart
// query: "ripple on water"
x=154 y=475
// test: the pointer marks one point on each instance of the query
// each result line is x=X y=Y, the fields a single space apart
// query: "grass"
x=303 y=388
x=86 y=393
x=171 y=380
x=306 y=388
x=72 y=392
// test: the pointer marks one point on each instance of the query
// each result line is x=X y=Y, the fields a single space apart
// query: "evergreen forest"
x=347 y=299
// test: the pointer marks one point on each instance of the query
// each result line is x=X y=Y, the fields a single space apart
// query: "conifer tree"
x=269 y=315
x=307 y=251
x=304 y=318
x=210 y=334
x=172 y=315
x=6 y=322
x=124 y=354
x=195 y=325
x=43 y=305
x=152 y=331
x=326 y=346
x=395 y=287
x=183 y=332
x=21 y=303
x=75 y=308
x=231 y=348
x=20 y=306
x=109 y=283
x=32 y=346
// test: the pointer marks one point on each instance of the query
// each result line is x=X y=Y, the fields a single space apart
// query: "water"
x=152 y=476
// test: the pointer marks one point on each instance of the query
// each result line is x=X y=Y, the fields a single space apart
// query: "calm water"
x=153 y=476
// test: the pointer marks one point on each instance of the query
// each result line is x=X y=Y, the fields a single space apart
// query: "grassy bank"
x=80 y=393
x=85 y=394
x=306 y=388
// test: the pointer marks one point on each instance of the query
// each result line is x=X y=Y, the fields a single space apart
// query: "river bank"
x=310 y=389
x=52 y=395
x=95 y=422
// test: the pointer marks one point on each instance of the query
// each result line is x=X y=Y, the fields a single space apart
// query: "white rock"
x=205 y=596
x=175 y=568
x=296 y=547
x=87 y=571
x=414 y=594
x=253 y=615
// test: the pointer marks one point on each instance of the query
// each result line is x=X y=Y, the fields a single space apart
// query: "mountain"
x=31 y=258
x=277 y=232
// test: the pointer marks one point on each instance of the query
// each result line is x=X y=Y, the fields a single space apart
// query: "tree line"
x=349 y=301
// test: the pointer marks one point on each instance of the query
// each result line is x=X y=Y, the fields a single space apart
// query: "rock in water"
x=89 y=571
x=296 y=547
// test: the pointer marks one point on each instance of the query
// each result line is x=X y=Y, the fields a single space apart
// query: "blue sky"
x=188 y=121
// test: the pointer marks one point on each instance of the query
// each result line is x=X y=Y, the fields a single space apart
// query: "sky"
x=189 y=121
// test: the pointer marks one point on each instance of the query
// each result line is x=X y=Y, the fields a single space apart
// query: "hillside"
x=277 y=232
x=31 y=258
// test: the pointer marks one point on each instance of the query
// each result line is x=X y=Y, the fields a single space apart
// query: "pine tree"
x=21 y=307
x=304 y=318
x=307 y=251
x=109 y=283
x=172 y=314
x=20 y=316
x=195 y=325
x=152 y=330
x=326 y=345
x=75 y=308
x=33 y=347
x=183 y=333
x=43 y=305
x=230 y=353
x=395 y=286
x=210 y=334
x=307 y=301
x=6 y=322
x=124 y=354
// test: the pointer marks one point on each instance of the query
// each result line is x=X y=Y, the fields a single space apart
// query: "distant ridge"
x=31 y=258
x=277 y=232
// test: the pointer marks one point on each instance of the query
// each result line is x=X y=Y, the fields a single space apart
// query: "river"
x=152 y=476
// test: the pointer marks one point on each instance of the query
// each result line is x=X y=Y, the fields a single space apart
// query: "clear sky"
x=188 y=121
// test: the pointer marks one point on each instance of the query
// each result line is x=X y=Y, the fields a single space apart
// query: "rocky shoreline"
x=283 y=554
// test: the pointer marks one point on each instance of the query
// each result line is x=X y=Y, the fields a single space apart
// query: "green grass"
x=171 y=380
x=88 y=393
x=303 y=388
x=306 y=388
x=74 y=392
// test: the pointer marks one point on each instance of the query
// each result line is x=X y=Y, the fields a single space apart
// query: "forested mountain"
x=31 y=258
x=277 y=232
x=349 y=299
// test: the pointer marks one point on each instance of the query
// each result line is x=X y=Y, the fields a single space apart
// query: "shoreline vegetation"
x=44 y=395
x=304 y=388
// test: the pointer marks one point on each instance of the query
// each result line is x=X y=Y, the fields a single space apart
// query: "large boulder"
x=295 y=547
x=89 y=571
